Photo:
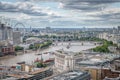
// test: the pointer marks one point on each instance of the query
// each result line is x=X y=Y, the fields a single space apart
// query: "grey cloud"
x=105 y=19
x=87 y=5
x=55 y=16
x=59 y=23
x=102 y=22
x=84 y=5
x=75 y=0
x=26 y=8
x=64 y=23
x=108 y=16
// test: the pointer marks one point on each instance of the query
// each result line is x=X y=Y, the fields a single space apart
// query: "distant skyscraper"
x=119 y=28
x=3 y=31
x=48 y=29
x=10 y=33
x=114 y=30
x=30 y=29
x=0 y=32
x=16 y=37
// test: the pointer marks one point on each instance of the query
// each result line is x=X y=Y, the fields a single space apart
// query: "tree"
x=39 y=65
x=31 y=46
x=17 y=48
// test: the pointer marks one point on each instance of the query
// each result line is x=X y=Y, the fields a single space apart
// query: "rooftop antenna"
x=41 y=58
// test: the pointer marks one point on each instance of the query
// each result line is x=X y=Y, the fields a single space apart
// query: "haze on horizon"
x=63 y=13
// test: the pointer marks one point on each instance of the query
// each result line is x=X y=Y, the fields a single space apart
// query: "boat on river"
x=39 y=54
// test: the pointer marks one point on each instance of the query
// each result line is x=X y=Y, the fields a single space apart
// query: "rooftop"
x=112 y=78
x=66 y=52
x=91 y=62
x=39 y=70
x=97 y=59
x=10 y=78
x=18 y=74
x=69 y=75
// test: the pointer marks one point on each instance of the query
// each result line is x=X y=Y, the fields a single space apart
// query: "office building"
x=65 y=60
x=10 y=33
x=37 y=74
x=5 y=32
x=3 y=35
x=16 y=37
x=0 y=32
x=119 y=28
x=7 y=50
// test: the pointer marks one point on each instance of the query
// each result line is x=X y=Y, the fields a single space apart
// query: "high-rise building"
x=16 y=37
x=118 y=27
x=0 y=32
x=10 y=33
x=0 y=51
x=48 y=29
x=5 y=32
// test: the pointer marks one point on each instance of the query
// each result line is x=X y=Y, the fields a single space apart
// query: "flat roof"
x=93 y=61
x=20 y=76
x=10 y=78
x=66 y=52
x=68 y=75
x=39 y=70
x=118 y=78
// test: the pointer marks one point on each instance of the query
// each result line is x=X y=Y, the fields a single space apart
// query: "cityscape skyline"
x=59 y=40
x=32 y=49
x=63 y=14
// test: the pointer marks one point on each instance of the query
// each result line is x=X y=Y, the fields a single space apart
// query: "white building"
x=32 y=40
x=112 y=48
x=5 y=32
x=103 y=35
x=65 y=61
x=115 y=38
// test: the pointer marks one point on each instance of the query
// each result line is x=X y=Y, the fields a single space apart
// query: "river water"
x=30 y=57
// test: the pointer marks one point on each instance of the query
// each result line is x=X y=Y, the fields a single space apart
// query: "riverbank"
x=104 y=47
x=22 y=53
x=17 y=53
x=30 y=56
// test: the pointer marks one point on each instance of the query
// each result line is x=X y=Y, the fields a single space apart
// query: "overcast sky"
x=63 y=13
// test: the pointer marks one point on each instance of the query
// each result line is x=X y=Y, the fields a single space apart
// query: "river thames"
x=31 y=56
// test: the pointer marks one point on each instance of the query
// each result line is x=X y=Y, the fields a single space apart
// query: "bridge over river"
x=30 y=57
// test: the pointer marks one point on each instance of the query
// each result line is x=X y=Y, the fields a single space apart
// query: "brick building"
x=6 y=50
x=110 y=73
